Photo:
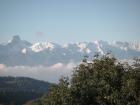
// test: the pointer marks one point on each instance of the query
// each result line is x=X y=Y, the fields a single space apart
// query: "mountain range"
x=21 y=52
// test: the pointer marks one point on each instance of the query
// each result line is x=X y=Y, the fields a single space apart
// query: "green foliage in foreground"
x=104 y=81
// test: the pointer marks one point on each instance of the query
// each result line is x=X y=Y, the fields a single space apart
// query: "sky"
x=64 y=21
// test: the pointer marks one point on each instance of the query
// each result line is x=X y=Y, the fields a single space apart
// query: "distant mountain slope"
x=20 y=52
x=18 y=90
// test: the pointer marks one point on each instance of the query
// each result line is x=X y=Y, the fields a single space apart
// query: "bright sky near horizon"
x=64 y=21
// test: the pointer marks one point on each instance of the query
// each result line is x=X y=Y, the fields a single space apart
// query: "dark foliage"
x=104 y=81
x=18 y=90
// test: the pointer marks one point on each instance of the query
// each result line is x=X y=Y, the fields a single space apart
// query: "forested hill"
x=18 y=90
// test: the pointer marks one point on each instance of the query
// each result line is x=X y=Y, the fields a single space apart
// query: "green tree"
x=58 y=94
x=103 y=81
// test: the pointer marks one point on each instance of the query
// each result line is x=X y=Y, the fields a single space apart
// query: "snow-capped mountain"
x=20 y=52
x=37 y=47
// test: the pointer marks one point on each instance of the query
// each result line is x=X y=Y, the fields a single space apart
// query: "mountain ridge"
x=21 y=52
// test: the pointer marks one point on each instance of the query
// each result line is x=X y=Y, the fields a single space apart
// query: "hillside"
x=18 y=90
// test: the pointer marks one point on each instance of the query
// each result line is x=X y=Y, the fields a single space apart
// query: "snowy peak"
x=98 y=46
x=24 y=51
x=126 y=45
x=37 y=47
x=83 y=47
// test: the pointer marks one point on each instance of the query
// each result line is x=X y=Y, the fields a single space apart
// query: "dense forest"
x=103 y=81
x=19 y=90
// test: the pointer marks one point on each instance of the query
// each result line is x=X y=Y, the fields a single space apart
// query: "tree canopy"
x=102 y=81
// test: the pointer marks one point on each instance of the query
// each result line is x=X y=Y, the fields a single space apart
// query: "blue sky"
x=64 y=21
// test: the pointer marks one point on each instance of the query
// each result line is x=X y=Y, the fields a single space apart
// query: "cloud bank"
x=51 y=74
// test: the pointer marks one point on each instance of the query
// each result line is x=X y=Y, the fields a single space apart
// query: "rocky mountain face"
x=20 y=52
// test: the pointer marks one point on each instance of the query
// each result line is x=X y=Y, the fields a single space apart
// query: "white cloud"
x=50 y=74
x=57 y=66
x=2 y=66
